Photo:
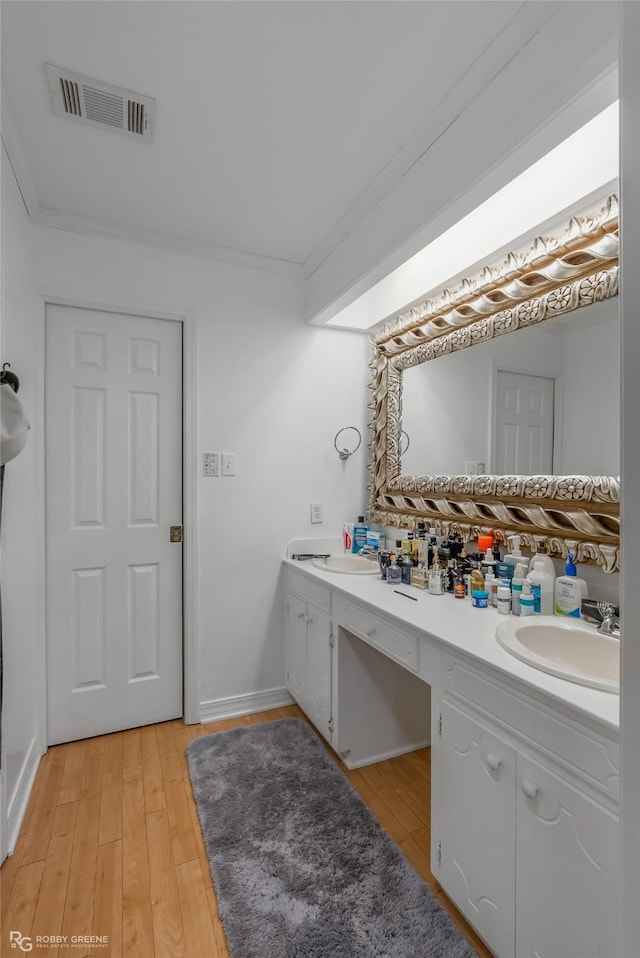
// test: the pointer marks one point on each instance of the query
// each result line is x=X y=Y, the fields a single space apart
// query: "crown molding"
x=165 y=241
x=16 y=155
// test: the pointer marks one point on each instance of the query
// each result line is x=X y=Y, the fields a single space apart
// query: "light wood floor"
x=111 y=845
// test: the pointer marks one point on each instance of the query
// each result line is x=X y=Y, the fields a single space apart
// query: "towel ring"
x=345 y=453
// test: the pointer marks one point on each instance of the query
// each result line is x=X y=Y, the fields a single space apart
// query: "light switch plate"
x=228 y=463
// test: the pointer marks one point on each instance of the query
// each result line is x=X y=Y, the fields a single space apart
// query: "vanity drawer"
x=596 y=757
x=401 y=646
x=310 y=591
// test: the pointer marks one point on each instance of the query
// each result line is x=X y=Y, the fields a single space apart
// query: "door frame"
x=190 y=650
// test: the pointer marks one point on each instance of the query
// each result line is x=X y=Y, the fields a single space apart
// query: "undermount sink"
x=570 y=649
x=350 y=564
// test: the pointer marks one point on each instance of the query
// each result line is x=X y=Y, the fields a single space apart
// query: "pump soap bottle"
x=540 y=577
x=570 y=590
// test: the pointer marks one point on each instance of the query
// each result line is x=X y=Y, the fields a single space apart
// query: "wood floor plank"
x=394 y=802
x=153 y=782
x=131 y=751
x=197 y=919
x=183 y=837
x=34 y=836
x=170 y=757
x=22 y=903
x=168 y=932
x=73 y=769
x=111 y=805
x=107 y=902
x=418 y=802
x=78 y=909
x=52 y=894
x=137 y=923
x=218 y=930
x=92 y=774
x=149 y=745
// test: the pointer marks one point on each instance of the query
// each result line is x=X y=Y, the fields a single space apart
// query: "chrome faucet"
x=610 y=624
x=368 y=552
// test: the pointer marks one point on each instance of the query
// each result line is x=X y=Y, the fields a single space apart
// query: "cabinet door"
x=567 y=865
x=295 y=651
x=319 y=671
x=477 y=825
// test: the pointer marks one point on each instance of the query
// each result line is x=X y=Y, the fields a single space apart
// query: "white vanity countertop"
x=457 y=624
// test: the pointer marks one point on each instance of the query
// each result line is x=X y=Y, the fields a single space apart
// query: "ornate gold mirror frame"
x=567 y=513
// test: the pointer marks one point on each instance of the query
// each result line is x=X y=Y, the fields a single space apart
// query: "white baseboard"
x=383 y=756
x=216 y=709
x=21 y=793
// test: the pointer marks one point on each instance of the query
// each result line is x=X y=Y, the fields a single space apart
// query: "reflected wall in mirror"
x=551 y=473
x=543 y=402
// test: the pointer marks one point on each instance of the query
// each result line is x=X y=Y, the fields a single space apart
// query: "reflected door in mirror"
x=523 y=424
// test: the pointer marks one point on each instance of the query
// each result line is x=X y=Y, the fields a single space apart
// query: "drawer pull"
x=370 y=632
x=301 y=615
x=493 y=761
x=530 y=789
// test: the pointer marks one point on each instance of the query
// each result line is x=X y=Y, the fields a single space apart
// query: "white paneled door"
x=523 y=425
x=113 y=490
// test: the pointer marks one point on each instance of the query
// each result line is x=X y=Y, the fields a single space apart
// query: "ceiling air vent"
x=101 y=104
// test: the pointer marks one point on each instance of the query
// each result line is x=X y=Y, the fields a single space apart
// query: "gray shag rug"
x=301 y=867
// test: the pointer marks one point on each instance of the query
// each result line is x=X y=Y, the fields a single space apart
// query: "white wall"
x=270 y=389
x=21 y=533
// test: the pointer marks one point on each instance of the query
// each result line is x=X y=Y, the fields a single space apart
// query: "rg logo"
x=23 y=942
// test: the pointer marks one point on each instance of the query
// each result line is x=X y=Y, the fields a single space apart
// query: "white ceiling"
x=275 y=120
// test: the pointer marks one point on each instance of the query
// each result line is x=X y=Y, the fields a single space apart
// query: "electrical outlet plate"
x=211 y=464
x=316 y=512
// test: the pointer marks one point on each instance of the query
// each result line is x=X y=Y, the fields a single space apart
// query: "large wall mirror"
x=516 y=427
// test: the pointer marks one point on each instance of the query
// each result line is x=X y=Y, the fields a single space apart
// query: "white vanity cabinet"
x=524 y=826
x=308 y=650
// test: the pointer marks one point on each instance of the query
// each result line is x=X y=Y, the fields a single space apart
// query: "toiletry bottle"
x=394 y=572
x=514 y=556
x=570 y=590
x=360 y=530
x=436 y=578
x=516 y=589
x=415 y=549
x=405 y=569
x=504 y=600
x=384 y=560
x=422 y=546
x=488 y=562
x=459 y=590
x=347 y=536
x=491 y=587
x=543 y=556
x=526 y=599
x=476 y=581
x=538 y=575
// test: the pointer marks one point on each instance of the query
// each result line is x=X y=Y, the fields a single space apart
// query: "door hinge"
x=440 y=725
x=439 y=853
x=175 y=533
x=331 y=640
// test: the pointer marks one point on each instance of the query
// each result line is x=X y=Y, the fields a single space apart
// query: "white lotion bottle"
x=538 y=575
x=570 y=590
x=515 y=557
